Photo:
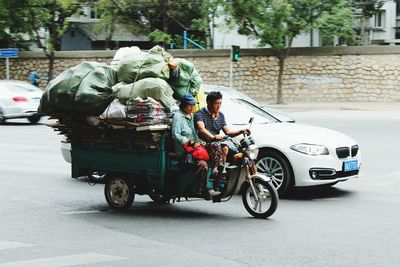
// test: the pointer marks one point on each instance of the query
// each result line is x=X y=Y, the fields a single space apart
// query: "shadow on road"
x=317 y=192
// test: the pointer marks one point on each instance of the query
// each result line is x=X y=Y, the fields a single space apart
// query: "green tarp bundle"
x=137 y=66
x=186 y=79
x=155 y=88
x=95 y=91
x=85 y=88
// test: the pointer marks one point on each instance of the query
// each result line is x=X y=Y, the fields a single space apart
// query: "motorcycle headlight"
x=310 y=149
x=252 y=152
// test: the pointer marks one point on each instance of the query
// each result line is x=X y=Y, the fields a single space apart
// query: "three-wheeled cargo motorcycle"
x=154 y=170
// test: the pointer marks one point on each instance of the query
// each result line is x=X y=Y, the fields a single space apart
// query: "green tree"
x=368 y=8
x=162 y=20
x=45 y=21
x=278 y=22
x=12 y=27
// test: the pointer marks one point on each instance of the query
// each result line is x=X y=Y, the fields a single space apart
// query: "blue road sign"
x=9 y=53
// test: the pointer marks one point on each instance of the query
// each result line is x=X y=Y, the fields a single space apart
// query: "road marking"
x=11 y=244
x=78 y=212
x=84 y=258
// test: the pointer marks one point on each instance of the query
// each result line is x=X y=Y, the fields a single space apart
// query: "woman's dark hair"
x=213 y=96
x=183 y=105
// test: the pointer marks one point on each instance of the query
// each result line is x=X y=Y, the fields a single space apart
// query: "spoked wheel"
x=266 y=202
x=278 y=169
x=119 y=193
x=159 y=198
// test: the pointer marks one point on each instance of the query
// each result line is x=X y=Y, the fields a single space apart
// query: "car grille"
x=354 y=150
x=344 y=152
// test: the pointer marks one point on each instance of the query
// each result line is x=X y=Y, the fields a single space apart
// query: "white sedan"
x=19 y=99
x=293 y=154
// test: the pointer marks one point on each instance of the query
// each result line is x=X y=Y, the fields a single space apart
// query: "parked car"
x=19 y=99
x=292 y=154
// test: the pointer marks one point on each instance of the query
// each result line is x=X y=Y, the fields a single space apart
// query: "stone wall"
x=311 y=74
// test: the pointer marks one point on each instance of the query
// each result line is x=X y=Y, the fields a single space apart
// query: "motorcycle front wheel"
x=267 y=201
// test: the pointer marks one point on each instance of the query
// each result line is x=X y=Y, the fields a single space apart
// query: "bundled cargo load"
x=113 y=104
x=155 y=88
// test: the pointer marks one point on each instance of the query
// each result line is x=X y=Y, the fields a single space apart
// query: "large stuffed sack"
x=185 y=79
x=137 y=66
x=155 y=88
x=59 y=95
x=95 y=91
x=161 y=51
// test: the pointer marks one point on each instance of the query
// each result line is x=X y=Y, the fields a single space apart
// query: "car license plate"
x=350 y=165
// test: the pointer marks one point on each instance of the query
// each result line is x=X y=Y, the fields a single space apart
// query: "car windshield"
x=239 y=111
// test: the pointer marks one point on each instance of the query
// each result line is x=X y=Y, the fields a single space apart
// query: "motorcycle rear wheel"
x=267 y=195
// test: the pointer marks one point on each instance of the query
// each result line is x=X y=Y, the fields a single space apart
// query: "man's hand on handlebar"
x=245 y=131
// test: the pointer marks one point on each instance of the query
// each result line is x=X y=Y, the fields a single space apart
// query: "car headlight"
x=252 y=152
x=310 y=149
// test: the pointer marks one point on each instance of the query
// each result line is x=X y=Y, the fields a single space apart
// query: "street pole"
x=7 y=69
x=231 y=75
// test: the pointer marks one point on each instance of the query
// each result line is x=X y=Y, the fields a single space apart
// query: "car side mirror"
x=251 y=122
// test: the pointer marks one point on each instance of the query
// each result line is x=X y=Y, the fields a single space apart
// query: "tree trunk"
x=281 y=62
x=51 y=66
x=363 y=35
x=208 y=32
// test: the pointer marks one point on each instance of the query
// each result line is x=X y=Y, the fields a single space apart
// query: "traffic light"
x=235 y=53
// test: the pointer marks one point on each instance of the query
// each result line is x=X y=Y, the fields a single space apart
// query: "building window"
x=380 y=19
x=94 y=14
x=397 y=9
x=72 y=34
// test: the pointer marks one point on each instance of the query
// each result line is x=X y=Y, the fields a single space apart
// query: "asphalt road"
x=49 y=219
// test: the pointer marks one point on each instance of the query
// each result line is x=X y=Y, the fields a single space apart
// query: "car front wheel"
x=277 y=167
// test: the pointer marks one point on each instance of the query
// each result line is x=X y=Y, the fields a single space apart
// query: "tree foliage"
x=44 y=21
x=278 y=22
x=163 y=20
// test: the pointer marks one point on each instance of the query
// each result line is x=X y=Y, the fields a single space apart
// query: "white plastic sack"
x=115 y=110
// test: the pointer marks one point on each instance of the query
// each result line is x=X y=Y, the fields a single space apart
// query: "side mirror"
x=251 y=122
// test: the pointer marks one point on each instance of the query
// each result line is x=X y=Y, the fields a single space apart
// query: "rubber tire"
x=274 y=199
x=288 y=179
x=2 y=119
x=34 y=119
x=159 y=198
x=127 y=186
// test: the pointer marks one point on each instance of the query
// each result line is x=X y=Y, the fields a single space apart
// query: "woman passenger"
x=184 y=133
